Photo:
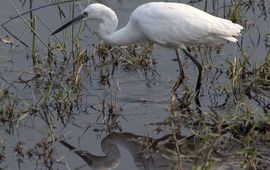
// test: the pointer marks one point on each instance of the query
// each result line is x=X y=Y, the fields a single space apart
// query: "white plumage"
x=181 y=24
x=173 y=25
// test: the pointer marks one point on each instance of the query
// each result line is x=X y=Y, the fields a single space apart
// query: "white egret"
x=173 y=25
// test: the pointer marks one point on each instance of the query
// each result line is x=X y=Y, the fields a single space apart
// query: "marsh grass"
x=233 y=138
x=43 y=152
x=230 y=133
x=251 y=81
x=7 y=111
x=131 y=58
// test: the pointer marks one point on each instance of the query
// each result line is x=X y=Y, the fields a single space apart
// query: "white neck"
x=125 y=36
x=108 y=24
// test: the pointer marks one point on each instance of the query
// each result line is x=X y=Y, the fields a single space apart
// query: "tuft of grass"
x=131 y=58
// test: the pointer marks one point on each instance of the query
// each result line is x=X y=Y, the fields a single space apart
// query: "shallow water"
x=142 y=99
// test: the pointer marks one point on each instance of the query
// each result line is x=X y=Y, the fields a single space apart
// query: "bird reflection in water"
x=147 y=153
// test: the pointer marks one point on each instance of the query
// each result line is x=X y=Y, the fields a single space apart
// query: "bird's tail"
x=238 y=28
x=234 y=30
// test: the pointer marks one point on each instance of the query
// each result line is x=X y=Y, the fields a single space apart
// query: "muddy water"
x=143 y=99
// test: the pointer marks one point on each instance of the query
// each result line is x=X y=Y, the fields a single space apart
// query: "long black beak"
x=77 y=19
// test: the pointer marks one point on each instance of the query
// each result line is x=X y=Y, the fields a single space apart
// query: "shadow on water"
x=95 y=94
x=147 y=153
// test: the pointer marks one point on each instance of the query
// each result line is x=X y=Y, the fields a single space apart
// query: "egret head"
x=94 y=11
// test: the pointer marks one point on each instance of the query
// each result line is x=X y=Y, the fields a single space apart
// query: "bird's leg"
x=200 y=69
x=178 y=82
x=181 y=69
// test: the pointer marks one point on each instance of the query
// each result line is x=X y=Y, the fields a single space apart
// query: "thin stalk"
x=47 y=116
x=43 y=42
x=205 y=5
x=34 y=40
x=20 y=15
x=43 y=23
x=35 y=9
x=73 y=39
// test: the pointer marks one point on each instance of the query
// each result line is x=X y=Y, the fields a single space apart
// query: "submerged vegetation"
x=72 y=83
